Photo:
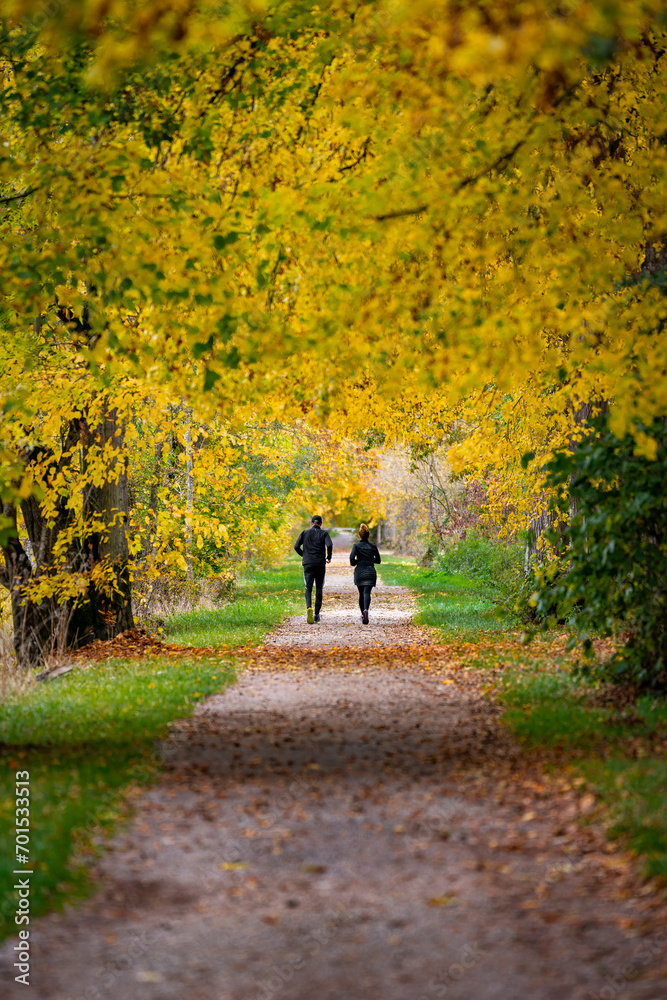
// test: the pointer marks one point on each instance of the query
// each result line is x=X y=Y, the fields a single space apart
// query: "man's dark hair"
x=316 y=519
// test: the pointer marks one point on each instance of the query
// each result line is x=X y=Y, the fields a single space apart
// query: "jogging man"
x=315 y=547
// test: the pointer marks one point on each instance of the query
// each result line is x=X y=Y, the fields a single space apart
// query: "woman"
x=363 y=557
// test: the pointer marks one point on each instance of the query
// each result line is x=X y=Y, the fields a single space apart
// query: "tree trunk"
x=110 y=502
x=189 y=497
x=534 y=552
x=46 y=625
x=30 y=621
x=156 y=480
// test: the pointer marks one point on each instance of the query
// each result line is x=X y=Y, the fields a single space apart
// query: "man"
x=315 y=547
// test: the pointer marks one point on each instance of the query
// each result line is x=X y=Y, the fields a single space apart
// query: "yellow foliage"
x=430 y=223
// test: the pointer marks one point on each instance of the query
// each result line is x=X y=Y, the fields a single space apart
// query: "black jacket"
x=314 y=546
x=363 y=557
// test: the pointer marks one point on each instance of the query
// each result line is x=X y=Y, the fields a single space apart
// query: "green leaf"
x=226 y=326
x=201 y=347
x=220 y=241
x=233 y=357
x=7 y=530
x=210 y=378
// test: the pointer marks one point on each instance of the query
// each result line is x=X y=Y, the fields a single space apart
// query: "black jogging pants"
x=314 y=575
x=364 y=596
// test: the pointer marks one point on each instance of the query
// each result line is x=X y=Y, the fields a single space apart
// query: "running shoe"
x=309 y=616
x=317 y=618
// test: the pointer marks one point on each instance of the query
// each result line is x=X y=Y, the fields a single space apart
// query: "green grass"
x=634 y=790
x=546 y=706
x=85 y=739
x=459 y=606
x=261 y=601
x=88 y=737
x=557 y=710
x=75 y=796
x=549 y=709
x=277 y=580
x=115 y=703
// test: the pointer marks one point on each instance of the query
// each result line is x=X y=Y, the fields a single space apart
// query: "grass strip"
x=86 y=739
x=261 y=601
x=621 y=753
x=457 y=605
x=89 y=738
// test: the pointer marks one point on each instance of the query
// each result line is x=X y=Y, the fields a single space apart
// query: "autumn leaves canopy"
x=430 y=221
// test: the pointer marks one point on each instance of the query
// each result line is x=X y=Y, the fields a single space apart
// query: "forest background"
x=252 y=251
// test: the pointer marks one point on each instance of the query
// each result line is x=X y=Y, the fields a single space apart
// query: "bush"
x=611 y=575
x=493 y=563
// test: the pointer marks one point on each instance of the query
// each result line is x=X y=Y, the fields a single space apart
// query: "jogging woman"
x=363 y=557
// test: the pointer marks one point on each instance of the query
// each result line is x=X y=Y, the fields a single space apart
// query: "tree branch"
x=17 y=197
x=500 y=162
x=399 y=213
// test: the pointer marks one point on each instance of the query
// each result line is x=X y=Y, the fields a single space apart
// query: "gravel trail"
x=352 y=828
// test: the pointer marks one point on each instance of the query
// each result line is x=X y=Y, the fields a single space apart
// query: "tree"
x=72 y=583
x=610 y=577
x=331 y=213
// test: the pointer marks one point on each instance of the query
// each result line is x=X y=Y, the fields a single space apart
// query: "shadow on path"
x=357 y=830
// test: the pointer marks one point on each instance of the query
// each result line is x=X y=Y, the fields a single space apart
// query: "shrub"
x=492 y=562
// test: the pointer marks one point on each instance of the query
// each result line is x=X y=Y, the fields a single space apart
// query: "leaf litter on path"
x=341 y=823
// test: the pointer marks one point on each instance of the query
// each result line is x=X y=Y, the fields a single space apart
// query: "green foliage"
x=493 y=563
x=611 y=575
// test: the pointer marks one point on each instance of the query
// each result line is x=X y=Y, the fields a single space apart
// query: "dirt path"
x=391 y=611
x=349 y=826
